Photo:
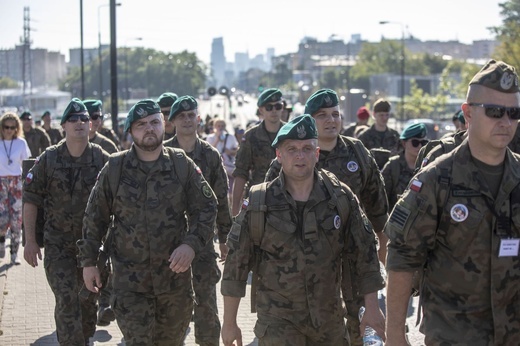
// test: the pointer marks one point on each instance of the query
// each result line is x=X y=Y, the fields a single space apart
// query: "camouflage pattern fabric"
x=38 y=140
x=390 y=141
x=63 y=192
x=255 y=154
x=436 y=148
x=469 y=293
x=105 y=143
x=155 y=211
x=110 y=134
x=300 y=270
x=397 y=176
x=55 y=135
x=205 y=270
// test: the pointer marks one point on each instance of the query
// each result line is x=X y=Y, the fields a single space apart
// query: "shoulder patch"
x=416 y=185
x=399 y=216
x=206 y=191
x=29 y=178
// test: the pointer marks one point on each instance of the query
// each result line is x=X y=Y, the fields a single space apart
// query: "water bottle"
x=370 y=337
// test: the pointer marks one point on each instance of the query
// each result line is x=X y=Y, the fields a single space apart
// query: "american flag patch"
x=416 y=185
x=399 y=216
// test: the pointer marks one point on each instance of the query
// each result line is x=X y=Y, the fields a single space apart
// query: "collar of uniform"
x=197 y=151
x=165 y=164
x=317 y=195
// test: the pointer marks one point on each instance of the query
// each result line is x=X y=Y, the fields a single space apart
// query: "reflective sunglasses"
x=75 y=117
x=497 y=112
x=416 y=142
x=276 y=106
x=166 y=113
x=9 y=127
x=96 y=116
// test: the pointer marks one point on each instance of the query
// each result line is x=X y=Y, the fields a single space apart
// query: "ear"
x=466 y=109
x=278 y=155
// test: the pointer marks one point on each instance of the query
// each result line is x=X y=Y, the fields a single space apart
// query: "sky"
x=246 y=26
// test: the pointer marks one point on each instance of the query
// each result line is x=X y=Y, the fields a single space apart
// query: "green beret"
x=26 y=115
x=460 y=116
x=47 y=112
x=417 y=130
x=323 y=98
x=302 y=127
x=167 y=99
x=382 y=105
x=93 y=106
x=269 y=95
x=75 y=106
x=182 y=104
x=497 y=75
x=140 y=110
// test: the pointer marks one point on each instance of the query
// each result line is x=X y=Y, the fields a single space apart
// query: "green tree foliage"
x=7 y=83
x=508 y=34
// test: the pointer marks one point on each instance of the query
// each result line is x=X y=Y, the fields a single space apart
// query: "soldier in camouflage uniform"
x=60 y=182
x=55 y=135
x=163 y=214
x=303 y=252
x=255 y=152
x=399 y=170
x=185 y=117
x=379 y=135
x=165 y=101
x=460 y=221
x=37 y=139
x=351 y=162
x=95 y=112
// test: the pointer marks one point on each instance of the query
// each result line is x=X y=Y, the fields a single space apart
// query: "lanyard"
x=9 y=161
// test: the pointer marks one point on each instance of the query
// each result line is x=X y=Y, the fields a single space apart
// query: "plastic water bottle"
x=370 y=337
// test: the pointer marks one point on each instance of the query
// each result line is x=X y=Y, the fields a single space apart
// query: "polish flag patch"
x=416 y=185
x=29 y=178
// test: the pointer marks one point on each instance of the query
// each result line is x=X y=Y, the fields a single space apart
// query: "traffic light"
x=212 y=91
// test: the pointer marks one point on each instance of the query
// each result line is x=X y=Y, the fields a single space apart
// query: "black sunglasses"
x=9 y=127
x=166 y=113
x=276 y=106
x=416 y=142
x=497 y=112
x=75 y=117
x=96 y=116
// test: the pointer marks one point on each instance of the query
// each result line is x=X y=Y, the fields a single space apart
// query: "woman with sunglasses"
x=399 y=170
x=13 y=151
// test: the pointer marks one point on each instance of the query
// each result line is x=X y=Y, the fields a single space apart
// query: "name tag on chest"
x=508 y=247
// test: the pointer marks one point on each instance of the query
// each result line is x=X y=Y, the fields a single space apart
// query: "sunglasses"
x=276 y=106
x=166 y=113
x=416 y=142
x=497 y=112
x=96 y=116
x=9 y=127
x=75 y=117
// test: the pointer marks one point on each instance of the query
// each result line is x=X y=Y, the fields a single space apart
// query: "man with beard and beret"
x=55 y=134
x=165 y=101
x=255 y=152
x=362 y=120
x=161 y=213
x=185 y=117
x=37 y=139
x=60 y=182
x=94 y=108
x=379 y=135
x=458 y=224
x=352 y=163
x=314 y=229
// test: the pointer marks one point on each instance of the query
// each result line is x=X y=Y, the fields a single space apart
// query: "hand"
x=31 y=253
x=181 y=258
x=374 y=318
x=92 y=279
x=230 y=333
x=223 y=251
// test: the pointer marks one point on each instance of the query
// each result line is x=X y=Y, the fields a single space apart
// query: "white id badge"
x=509 y=247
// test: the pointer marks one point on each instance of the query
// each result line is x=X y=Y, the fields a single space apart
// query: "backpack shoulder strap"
x=361 y=155
x=177 y=156
x=115 y=168
x=338 y=198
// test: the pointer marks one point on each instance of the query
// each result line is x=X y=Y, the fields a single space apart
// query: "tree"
x=508 y=34
x=7 y=83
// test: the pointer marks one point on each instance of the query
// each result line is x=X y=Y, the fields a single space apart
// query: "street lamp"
x=99 y=49
x=383 y=22
x=127 y=94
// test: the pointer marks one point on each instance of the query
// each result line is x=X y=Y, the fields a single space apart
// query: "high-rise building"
x=218 y=60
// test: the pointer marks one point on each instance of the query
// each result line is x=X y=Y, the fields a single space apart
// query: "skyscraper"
x=218 y=60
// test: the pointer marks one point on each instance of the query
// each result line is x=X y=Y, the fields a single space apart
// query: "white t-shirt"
x=231 y=142
x=12 y=153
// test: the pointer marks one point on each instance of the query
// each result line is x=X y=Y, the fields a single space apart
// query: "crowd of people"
x=305 y=211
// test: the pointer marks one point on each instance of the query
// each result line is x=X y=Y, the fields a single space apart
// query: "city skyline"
x=173 y=28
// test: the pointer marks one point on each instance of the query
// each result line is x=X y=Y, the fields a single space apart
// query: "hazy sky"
x=253 y=26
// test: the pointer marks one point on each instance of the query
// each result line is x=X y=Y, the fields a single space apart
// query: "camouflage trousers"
x=75 y=318
x=148 y=319
x=11 y=209
x=273 y=331
x=206 y=274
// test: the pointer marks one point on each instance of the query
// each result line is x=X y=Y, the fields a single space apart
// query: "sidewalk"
x=27 y=310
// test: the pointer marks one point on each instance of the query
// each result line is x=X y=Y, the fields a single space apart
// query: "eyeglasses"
x=96 y=116
x=75 y=117
x=276 y=106
x=497 y=112
x=9 y=127
x=416 y=142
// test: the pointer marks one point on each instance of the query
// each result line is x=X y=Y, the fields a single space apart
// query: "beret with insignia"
x=382 y=106
x=269 y=95
x=167 y=99
x=497 y=75
x=75 y=106
x=26 y=115
x=323 y=98
x=140 y=110
x=182 y=104
x=417 y=130
x=300 y=128
x=93 y=106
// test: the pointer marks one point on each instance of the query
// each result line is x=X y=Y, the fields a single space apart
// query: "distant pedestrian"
x=36 y=137
x=363 y=114
x=54 y=134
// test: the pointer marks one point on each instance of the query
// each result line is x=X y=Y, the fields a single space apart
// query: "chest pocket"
x=278 y=237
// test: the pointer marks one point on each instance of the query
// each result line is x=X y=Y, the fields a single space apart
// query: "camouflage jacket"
x=360 y=174
x=38 y=140
x=390 y=141
x=210 y=162
x=254 y=154
x=55 y=135
x=110 y=134
x=436 y=148
x=299 y=269
x=396 y=175
x=105 y=143
x=152 y=210
x=469 y=293
x=62 y=186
